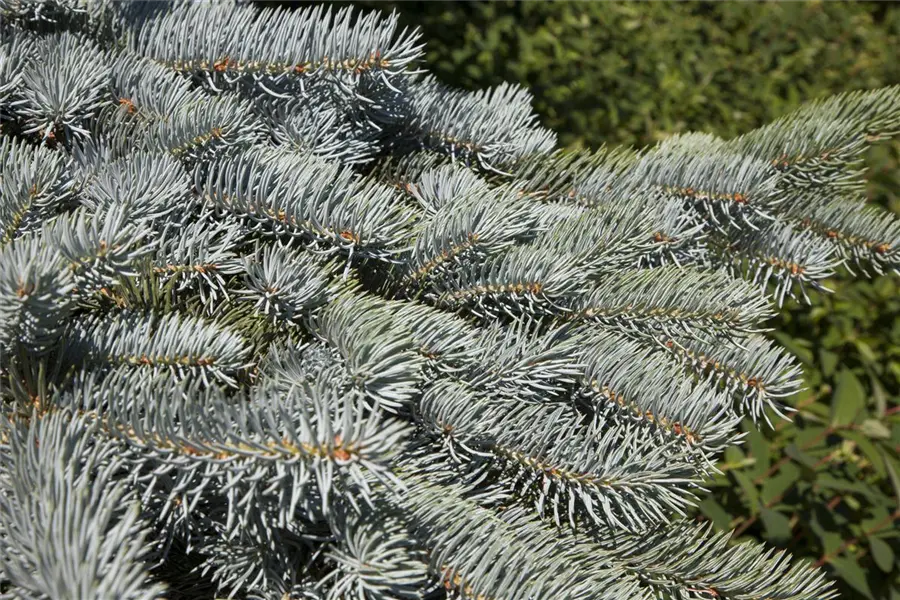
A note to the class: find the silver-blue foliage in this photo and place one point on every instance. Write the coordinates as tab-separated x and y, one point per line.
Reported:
284	317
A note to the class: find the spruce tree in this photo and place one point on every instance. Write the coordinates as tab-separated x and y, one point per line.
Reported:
283	317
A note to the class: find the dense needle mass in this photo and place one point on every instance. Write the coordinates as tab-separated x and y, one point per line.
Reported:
283	317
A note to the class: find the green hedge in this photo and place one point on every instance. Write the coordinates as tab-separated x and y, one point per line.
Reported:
827	485
607	72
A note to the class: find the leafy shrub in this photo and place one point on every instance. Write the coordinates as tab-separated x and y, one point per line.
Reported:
840	493
634	72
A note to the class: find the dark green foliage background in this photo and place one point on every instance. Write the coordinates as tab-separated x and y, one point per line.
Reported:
826	486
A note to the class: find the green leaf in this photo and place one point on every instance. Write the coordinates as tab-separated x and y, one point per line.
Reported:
759	450
875	429
868	449
895	592
878	515
848	400
796	346
715	513
882	553
850	571
801	457
734	455
828	481
820	410
879	394
865	350
893	473
778	526
751	494
828	362
810	436
851	501
777	485
822	523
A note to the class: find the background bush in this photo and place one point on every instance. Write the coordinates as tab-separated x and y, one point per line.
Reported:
827	485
